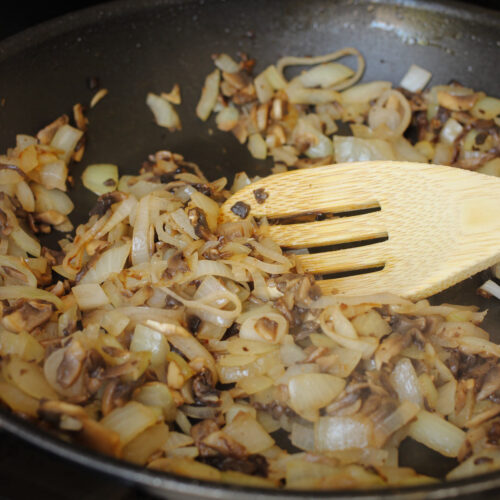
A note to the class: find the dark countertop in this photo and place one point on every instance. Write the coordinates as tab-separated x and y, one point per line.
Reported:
25	470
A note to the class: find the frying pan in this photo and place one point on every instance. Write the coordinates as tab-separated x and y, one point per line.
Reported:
134	47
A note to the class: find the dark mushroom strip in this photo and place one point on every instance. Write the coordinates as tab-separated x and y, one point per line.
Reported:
28	316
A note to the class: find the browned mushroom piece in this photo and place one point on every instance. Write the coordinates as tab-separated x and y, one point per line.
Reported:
204	390
224	444
81	120
105	201
198	220
71	365
457	102
91	434
11	275
28	316
200	431
390	347
46	134
255	464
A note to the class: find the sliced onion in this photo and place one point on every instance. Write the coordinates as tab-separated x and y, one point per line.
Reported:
19	265
130	420
25	196
371	323
109	262
249	433
28	160
51	199
28	377
341	324
320	145
346	361
325	75
415	79
443	154
275	78
100	178
484	461
311	391
145	444
65	140
53	175
227	118
17	400
25	241
406	152
366	345
487	108
291	353
23	141
177	440
226	63
436	433
348	51
183	223
302	436
114	322
348	149
303	95
263	88
491	167
341	433
149	340
22	344
158	395
364	92
257	146
405	381
451	130
204	309
492	288
10	175
391	115
403	414
123	210
255	328
14	292
192	349
89	296
208	95
164	113
212	268
140	237
252	385
184	466
209	206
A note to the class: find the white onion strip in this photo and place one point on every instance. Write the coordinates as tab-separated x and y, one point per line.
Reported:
308	61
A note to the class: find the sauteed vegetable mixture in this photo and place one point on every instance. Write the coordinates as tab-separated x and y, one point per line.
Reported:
159	335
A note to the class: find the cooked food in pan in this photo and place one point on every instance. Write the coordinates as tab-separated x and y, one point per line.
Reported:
156	334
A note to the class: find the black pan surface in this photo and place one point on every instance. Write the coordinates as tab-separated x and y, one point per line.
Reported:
134	47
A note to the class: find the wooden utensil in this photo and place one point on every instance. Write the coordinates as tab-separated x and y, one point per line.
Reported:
439	225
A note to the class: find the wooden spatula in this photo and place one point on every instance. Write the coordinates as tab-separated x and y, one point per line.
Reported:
439	225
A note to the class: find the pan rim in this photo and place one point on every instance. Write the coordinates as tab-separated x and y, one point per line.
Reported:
82	17
168	483
163	482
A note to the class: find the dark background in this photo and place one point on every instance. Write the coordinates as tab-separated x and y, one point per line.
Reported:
25	471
